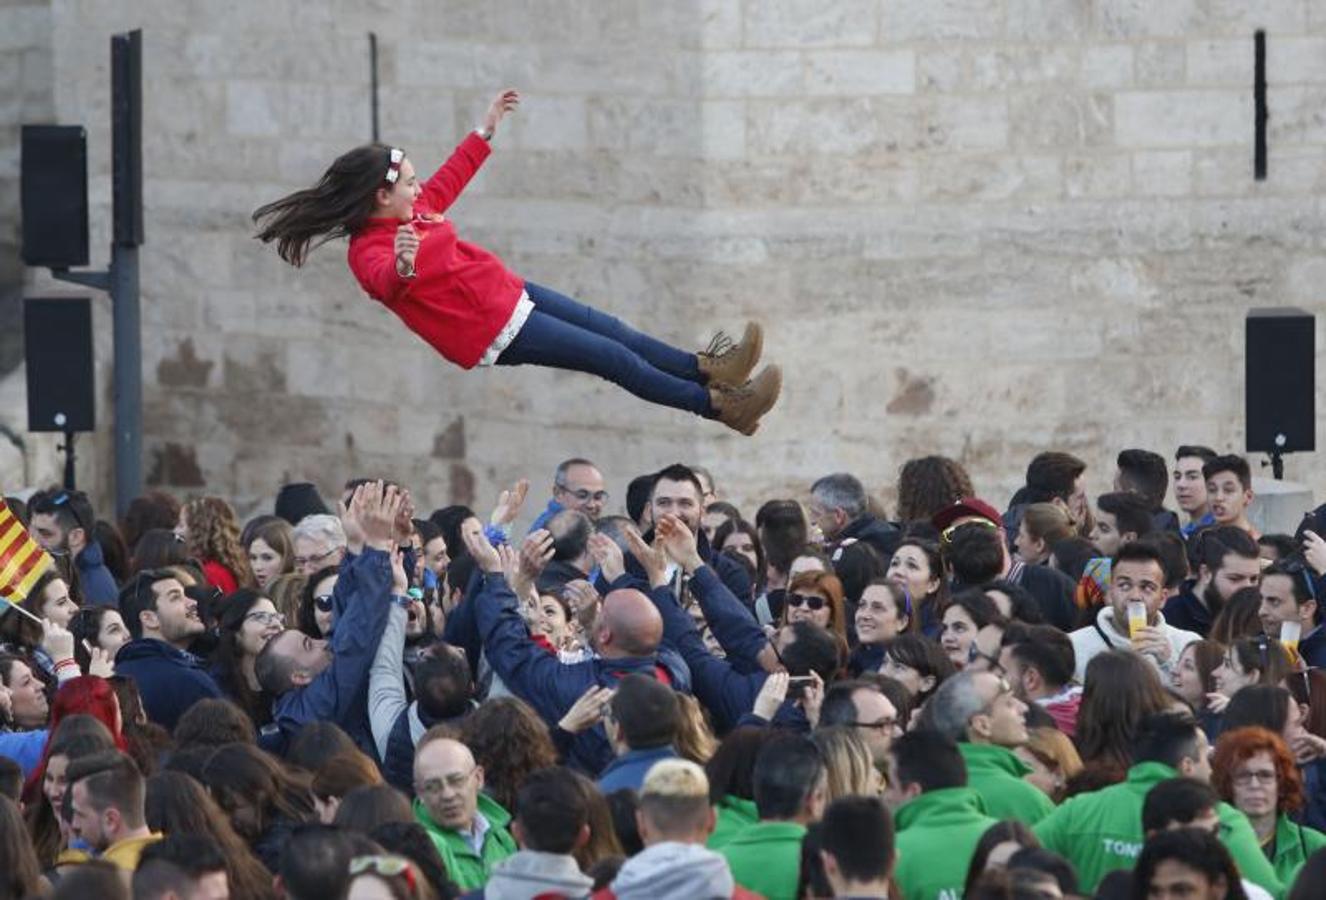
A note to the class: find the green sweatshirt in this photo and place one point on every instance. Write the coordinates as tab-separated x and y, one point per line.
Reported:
937	834
1102	831
1294	843
467	869
734	814
996	774
766	858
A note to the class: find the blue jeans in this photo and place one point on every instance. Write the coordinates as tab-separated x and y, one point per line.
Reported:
563	334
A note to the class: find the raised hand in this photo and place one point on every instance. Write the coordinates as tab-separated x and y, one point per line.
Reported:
652	559
509	503
608	556
403	527
57	640
504	103
1314	551
482	550
400	584
679	542
587	711
100	662
377	509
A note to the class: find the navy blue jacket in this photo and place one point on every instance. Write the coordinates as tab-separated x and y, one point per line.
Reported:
732	624
1185	610
731	572
883	536
629	769
169	680
728	694
95	580
546	683
1053	593
340	692
1313	648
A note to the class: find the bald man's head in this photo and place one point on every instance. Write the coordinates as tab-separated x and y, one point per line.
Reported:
628	625
447	780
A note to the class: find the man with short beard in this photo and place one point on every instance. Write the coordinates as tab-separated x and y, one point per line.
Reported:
163	621
1227	562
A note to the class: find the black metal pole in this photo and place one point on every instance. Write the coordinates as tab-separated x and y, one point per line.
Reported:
373	79
68	449
127	193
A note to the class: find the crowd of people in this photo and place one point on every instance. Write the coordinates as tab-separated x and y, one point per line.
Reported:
668	698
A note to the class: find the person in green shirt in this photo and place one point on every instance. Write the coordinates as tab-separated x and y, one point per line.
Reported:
1102	830
1254	771
791	784
730	771
939	819
981	712
468	828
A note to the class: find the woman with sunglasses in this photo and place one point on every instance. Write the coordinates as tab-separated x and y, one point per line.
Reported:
317	615
1253	770
885	611
917	565
817	598
1247	661
387	878
248	621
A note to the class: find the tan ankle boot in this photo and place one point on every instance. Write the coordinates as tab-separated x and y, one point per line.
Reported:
740	408
726	363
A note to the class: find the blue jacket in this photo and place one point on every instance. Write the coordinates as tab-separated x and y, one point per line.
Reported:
24	748
94	578
1185	610
169	680
543	681
728	693
629	769
732	623
1313	648
340	692
729	571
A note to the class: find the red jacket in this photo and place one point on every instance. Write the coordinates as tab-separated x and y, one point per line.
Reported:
462	296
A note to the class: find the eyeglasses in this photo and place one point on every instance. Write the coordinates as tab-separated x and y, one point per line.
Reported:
455	781
323	602
388	866
811	601
974	653
1243	779
946	536
584	495
308	560
268	618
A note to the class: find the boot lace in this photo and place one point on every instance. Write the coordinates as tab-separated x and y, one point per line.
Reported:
720	347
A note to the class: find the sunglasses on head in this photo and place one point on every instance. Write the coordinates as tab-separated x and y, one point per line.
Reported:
811	601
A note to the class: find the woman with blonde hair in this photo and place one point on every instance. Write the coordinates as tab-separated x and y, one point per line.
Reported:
1053	760
695	739
210	530
847	763
1043	525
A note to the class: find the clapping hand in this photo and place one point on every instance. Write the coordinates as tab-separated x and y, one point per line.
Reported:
375	507
679	542
509	503
587	711
653	559
608	556
482	550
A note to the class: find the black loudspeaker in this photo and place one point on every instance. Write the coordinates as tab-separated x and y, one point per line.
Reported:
57	338
1280	389
127	137
54	195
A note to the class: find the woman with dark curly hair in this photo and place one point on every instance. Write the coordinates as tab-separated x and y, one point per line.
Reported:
928	484
153	510
1253	771
317	613
510	741
211	532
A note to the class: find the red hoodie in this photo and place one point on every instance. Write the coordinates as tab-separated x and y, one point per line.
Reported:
462	296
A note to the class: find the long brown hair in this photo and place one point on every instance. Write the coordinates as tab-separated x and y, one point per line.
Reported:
176	804
255	789
1121	689
214	536
19	872
337	206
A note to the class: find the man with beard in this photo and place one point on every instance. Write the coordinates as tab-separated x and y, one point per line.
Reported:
62	523
163	621
1227	561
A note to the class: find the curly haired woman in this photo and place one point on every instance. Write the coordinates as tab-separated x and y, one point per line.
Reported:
209	528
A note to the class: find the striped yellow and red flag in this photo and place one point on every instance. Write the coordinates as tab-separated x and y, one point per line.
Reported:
22	561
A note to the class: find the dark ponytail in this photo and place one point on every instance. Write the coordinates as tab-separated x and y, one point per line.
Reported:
337	206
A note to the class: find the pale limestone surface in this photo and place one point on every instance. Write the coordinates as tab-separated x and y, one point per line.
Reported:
974	227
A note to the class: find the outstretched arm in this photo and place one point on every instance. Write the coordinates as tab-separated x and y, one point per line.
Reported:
445	186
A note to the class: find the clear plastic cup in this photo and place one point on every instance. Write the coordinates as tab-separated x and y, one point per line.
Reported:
1290	632
1136	617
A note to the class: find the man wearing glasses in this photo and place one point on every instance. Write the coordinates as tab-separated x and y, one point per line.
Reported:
980	711
468	828
62	523
578	484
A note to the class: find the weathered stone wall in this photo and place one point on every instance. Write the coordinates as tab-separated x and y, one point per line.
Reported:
975	227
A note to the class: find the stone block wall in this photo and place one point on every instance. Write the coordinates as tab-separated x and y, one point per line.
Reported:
975	227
